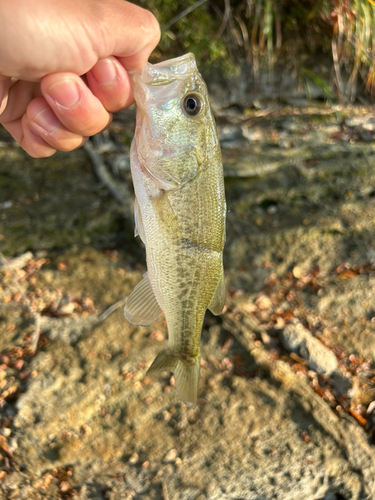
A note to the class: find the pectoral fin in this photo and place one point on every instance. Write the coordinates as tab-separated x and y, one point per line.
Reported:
141	308
139	229
218	300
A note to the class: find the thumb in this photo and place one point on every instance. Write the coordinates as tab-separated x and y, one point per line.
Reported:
130	33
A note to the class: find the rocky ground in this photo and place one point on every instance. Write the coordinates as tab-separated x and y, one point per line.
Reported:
286	405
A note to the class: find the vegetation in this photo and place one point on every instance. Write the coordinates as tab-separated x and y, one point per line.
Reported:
227	33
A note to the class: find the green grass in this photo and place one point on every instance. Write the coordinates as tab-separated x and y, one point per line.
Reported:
225	34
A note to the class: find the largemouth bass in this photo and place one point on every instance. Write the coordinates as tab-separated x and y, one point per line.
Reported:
180	213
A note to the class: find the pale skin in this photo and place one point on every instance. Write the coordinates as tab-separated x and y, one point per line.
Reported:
63	68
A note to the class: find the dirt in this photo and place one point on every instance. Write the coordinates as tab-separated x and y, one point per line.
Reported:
79	418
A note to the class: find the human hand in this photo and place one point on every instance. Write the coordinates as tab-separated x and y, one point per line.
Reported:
63	67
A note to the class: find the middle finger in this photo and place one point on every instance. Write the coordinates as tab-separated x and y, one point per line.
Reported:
74	104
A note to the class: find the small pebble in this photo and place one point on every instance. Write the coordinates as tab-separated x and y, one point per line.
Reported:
170	456
134	459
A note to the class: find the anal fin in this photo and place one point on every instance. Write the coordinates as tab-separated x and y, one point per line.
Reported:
141	308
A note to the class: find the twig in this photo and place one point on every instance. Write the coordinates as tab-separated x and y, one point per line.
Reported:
111	309
336	65
165	490
35	336
184	13
119	190
17	262
227	13
245	33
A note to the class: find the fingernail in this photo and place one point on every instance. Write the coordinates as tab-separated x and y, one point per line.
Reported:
47	121
104	71
65	93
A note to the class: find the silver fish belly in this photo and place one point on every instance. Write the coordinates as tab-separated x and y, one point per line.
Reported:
180	213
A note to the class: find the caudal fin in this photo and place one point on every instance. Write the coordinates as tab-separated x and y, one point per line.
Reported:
186	374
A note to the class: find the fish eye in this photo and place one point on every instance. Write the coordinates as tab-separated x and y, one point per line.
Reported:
192	104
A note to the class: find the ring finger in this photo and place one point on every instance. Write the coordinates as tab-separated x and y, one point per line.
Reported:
46	125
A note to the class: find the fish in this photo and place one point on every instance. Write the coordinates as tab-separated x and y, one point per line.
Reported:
180	213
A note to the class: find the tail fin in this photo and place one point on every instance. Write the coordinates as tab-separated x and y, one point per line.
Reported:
186	374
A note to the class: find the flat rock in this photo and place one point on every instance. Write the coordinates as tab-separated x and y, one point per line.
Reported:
296	338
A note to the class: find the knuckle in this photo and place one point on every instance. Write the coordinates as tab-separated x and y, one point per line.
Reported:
98	125
91	123
113	107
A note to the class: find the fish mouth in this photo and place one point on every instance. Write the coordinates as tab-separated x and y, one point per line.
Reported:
168	71
176	61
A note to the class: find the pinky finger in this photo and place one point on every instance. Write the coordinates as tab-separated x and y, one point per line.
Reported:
34	145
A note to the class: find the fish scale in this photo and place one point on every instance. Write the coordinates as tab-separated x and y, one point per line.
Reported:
180	213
